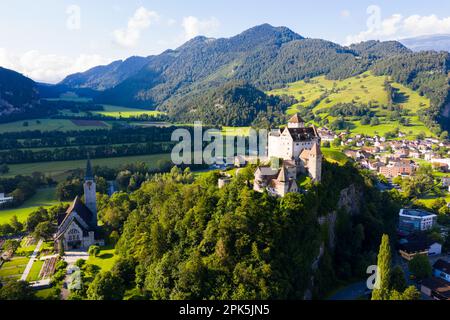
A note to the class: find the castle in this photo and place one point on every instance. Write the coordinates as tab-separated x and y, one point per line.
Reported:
78	226
297	149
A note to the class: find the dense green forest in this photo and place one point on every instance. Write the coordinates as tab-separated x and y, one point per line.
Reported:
233	104
186	239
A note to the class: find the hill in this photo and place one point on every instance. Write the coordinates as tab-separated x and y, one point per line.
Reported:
352	103
17	93
105	77
427	43
233	104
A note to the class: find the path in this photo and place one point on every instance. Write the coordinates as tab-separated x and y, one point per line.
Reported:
71	257
31	261
351	292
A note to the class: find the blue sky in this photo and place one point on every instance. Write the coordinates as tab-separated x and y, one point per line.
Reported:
48	39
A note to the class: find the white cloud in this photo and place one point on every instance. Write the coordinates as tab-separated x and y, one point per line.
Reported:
49	68
141	20
171	22
398	27
193	26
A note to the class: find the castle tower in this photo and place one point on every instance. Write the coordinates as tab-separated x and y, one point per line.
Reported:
315	163
296	122
90	198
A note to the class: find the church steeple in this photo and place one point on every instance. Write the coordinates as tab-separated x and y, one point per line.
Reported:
88	174
90	196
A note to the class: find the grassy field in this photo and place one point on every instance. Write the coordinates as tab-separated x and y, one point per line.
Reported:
12	270
334	156
45	125
105	260
363	89
122	112
43	198
59	169
35	270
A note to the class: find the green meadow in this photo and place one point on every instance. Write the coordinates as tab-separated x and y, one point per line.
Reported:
122	112
362	89
105	260
43	198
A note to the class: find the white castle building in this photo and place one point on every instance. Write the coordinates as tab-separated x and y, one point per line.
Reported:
297	148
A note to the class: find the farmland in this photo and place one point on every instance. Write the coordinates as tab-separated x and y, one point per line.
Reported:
46	125
60	169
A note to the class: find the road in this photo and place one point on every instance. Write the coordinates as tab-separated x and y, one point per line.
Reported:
351	292
31	261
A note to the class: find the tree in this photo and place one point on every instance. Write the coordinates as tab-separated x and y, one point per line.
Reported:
16	290
43	230
384	271
94	251
80	263
124	268
35	218
420	267
398	281
374	121
411	293
16	224
106	286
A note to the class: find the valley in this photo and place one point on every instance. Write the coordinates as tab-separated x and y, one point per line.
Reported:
357	132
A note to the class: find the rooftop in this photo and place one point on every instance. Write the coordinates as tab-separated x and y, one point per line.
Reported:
415	213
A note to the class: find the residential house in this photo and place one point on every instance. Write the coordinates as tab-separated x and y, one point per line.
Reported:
436	288
441	269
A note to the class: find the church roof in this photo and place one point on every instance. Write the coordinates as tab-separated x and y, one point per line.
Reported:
296	119
81	209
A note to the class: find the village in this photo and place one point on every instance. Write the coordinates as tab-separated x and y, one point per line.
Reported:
394	156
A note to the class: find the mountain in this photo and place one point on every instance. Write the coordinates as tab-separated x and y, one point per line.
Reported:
261	59
105	77
426	43
264	56
17	92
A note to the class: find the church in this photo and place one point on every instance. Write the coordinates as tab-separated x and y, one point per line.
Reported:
296	150
78	226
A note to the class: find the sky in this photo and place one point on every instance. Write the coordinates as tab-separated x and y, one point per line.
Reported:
47	40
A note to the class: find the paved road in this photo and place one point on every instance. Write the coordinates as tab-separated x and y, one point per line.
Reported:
352	292
31	261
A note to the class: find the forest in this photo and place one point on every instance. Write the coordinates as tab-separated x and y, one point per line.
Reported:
181	238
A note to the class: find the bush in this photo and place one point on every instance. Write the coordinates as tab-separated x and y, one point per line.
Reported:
94	251
80	263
